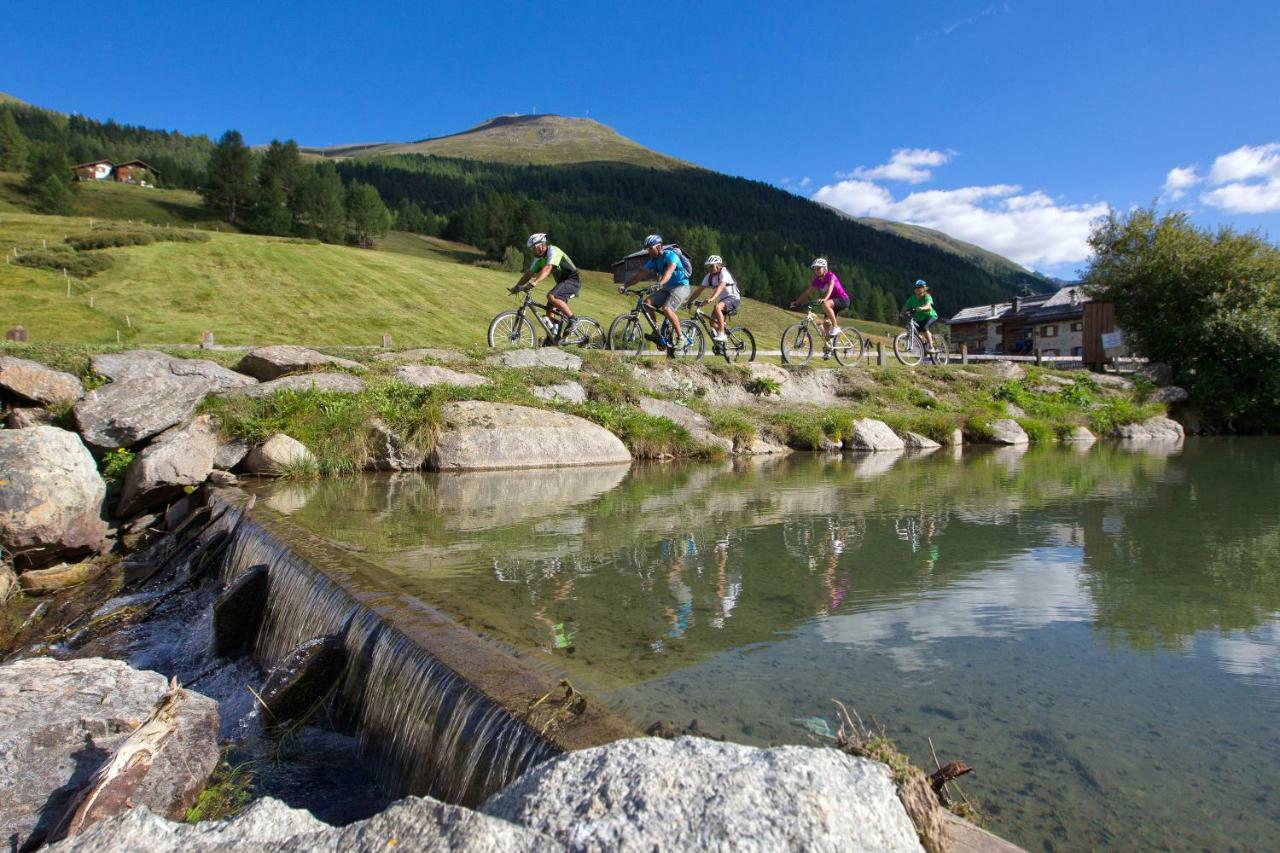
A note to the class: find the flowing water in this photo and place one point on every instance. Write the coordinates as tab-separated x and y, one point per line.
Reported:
1097	631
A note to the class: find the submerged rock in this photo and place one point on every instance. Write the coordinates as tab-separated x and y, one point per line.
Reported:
51	499
37	383
300	682
63	720
871	435
478	436
272	362
697	794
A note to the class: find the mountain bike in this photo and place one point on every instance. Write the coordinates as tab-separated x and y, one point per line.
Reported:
739	343
846	347
626	332
910	347
513	329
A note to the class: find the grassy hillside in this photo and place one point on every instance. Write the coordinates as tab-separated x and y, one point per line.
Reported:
253	290
10	99
109	200
535	139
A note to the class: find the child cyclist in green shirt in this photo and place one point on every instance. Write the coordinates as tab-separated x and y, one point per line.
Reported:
920	306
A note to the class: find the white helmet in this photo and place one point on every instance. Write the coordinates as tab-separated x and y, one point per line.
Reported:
535	239
713	260
653	240
818	262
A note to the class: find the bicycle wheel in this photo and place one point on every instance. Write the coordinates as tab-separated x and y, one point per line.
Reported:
509	330
739	345
614	338
848	346
908	349
797	344
689	343
586	334
941	355
629	338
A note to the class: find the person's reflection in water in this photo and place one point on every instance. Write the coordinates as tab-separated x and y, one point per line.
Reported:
728	586
680	616
835	581
561	633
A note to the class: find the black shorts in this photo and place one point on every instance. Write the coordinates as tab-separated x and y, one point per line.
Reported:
838	304
923	325
730	305
566	289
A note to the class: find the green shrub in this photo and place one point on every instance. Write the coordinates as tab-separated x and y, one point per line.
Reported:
113	466
1118	411
112	238
1037	430
647	436
59	258
764	386
733	424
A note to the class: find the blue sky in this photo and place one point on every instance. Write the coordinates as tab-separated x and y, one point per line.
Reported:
1015	122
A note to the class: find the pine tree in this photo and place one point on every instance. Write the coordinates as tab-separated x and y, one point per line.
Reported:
50	180
367	216
229	180
14	147
323	204
282	165
271	212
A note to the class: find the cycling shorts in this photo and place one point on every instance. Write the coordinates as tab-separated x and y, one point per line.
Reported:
672	296
730	305
567	289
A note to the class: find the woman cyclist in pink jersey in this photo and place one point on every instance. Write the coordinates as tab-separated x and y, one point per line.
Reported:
833	298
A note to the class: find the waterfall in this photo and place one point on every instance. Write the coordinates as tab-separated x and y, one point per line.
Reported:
426	728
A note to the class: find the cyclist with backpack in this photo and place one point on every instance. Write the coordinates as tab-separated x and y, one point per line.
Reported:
672	271
920	306
551	260
725	296
833	298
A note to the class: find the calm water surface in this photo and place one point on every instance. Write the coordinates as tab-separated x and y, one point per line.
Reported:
1098	631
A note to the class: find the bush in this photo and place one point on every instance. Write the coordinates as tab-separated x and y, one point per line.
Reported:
734	425
58	258
764	386
114	465
647	436
114	238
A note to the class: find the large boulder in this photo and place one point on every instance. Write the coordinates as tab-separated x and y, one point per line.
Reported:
697	794
64	719
148	364
477	436
343	383
272	362
427	375
51	497
180	457
276	454
560	392
871	435
1170	394
541	357
1159	429
414	823
916	441
1008	432
1081	435
37	383
124	413
697	425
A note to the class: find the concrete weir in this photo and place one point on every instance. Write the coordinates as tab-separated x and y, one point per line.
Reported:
438	709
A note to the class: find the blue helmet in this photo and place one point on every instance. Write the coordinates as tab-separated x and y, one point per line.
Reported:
920	283
653	240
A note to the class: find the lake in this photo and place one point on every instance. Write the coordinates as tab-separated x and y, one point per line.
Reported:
1096	630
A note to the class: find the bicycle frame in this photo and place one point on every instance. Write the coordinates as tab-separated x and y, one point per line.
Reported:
539	311
642	310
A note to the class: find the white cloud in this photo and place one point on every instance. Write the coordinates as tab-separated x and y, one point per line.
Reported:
1178	181
910	165
1246	180
805	181
1247	162
1029	227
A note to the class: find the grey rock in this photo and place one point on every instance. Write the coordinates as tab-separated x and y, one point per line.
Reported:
916	441
231	452
871	435
477	435
541	357
1081	434
1009	432
51	501
148	364
238	612
1113	380
391	452
412	355
698	426
695	794
764	447
427	375
1157	373
1007	370
37	383
343	383
219	477
272	362
561	392
63	719
1171	394
302	679
180	457
1013	410
25	418
124	413
1158	429
957	437
276	454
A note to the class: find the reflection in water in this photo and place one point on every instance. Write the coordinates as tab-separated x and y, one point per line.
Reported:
1099	633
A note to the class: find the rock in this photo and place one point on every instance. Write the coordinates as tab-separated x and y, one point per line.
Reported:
1157	373
1171	394
698	426
178	512
63	719
1051	383
561	392
1112	380
27	418
411	355
427	375
343	383
541	357
59	577
916	441
1013	410
1007	370
272	362
870	435
238	612
391	452
302	680
51	498
37	383
149	364
1081	434
414	823
276	454
957	437
139	529
180	457
1158	429
231	452
697	794
124	413
222	478
764	447
476	436
1007	431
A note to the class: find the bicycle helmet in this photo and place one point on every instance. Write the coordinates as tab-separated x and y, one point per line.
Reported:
713	260
535	239
653	240
818	262
921	283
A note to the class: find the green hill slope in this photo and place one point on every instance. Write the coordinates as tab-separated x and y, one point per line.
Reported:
534	139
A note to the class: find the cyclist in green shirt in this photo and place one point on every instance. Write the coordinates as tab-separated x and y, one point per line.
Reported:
920	306
551	260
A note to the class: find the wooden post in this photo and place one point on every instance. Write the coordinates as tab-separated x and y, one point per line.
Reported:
964	353
1039	358
880	353
206	340
91	300
117	337
127	321
386	342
